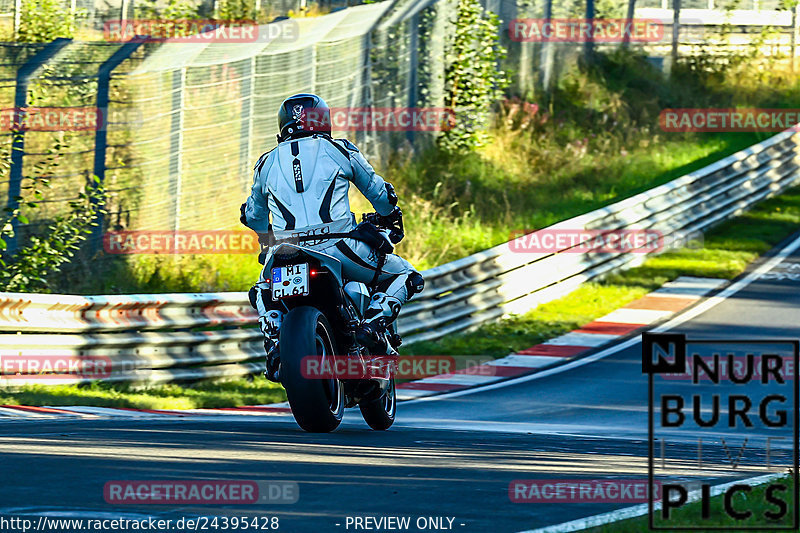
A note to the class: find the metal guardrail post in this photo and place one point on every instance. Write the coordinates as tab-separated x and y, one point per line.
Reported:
24	75
101	136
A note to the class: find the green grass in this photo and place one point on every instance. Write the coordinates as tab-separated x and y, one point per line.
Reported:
207	394
690	514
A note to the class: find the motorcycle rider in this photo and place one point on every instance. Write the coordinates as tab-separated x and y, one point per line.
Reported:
300	191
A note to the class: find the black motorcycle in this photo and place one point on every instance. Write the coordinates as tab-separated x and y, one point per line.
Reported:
322	366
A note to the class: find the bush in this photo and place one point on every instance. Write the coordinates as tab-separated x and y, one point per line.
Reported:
173	10
46	251
473	79
42	21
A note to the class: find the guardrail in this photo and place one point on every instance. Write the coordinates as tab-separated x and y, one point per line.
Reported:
129	331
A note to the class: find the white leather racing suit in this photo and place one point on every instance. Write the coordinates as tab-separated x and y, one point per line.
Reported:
302	186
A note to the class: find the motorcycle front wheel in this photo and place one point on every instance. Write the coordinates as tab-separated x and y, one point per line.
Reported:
317	404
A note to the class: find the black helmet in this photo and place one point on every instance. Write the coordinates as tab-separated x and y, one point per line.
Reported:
303	113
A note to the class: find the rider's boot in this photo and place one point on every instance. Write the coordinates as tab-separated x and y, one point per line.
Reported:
382	311
270	327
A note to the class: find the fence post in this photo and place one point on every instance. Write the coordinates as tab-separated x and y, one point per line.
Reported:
626	38
676	30
413	67
176	139
17	17
366	76
366	139
247	111
794	35
546	60
101	136
588	46
24	75
436	54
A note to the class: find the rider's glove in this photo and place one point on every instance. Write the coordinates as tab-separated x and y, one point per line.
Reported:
243	216
394	223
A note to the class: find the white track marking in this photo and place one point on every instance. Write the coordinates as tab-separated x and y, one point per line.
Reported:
243	412
635	316
702	307
643	509
16	413
689	287
459	379
280	404
100	411
407	394
590	340
530	361
20	413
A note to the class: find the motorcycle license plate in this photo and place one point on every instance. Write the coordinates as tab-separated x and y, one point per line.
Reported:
291	280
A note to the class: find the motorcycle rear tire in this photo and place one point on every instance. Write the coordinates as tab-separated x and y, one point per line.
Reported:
317	404
379	413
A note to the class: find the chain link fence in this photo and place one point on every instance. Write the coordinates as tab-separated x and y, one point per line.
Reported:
65	77
90	15
209	109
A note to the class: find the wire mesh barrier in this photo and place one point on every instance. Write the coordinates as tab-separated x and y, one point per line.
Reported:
86	132
164	337
90	15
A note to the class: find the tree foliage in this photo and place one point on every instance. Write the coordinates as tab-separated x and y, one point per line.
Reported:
172	10
41	21
237	10
473	79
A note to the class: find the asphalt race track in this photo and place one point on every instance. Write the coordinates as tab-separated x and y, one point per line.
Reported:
452	456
